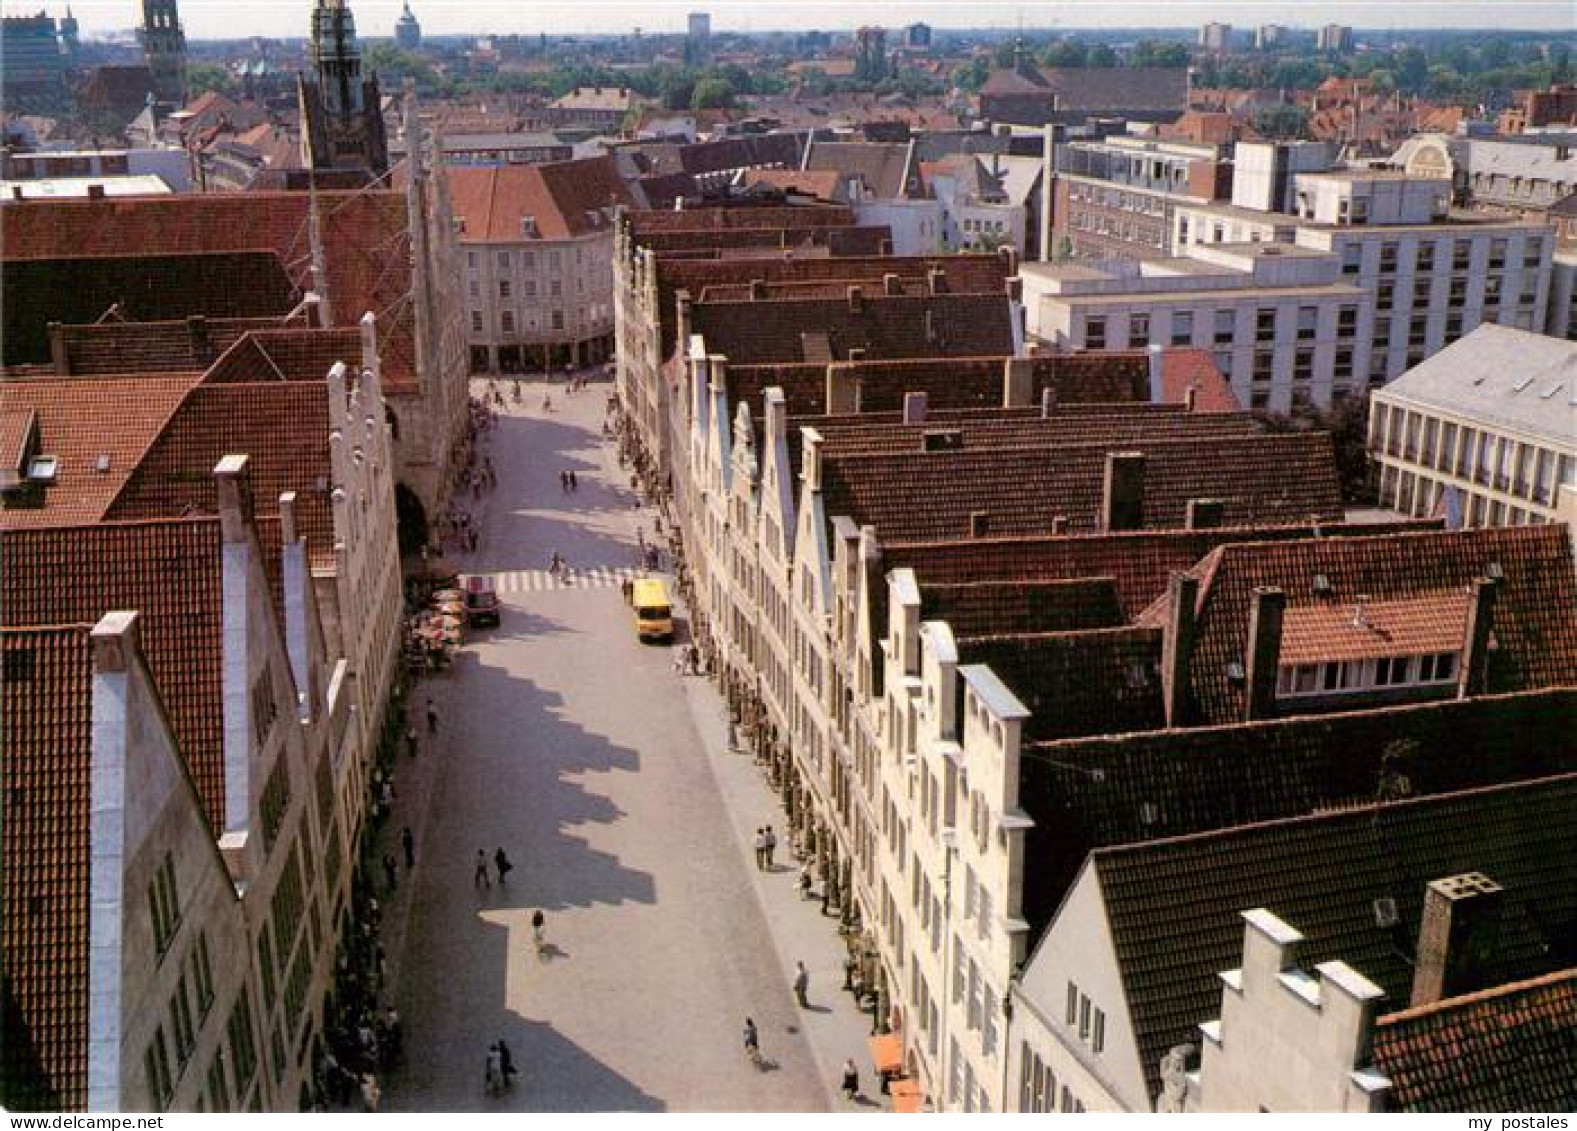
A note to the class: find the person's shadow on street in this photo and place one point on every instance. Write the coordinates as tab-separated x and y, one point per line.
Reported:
550	951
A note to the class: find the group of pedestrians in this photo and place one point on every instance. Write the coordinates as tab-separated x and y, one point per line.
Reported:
482	878
766	845
568	483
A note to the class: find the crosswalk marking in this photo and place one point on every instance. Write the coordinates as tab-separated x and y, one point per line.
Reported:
541	581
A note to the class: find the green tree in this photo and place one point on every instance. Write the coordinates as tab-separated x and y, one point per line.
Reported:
1160	53
202	77
1283	120
1066	53
711	94
1102	56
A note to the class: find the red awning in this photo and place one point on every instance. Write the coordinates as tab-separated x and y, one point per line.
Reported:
907	1096
887	1052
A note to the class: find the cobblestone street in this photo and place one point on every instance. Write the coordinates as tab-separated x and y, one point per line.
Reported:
601	773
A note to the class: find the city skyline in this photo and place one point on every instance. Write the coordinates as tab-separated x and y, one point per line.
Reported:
224	19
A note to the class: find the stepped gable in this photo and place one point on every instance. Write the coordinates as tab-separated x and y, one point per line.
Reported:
1174	905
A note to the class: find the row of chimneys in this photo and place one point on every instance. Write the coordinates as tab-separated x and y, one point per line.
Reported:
1267	611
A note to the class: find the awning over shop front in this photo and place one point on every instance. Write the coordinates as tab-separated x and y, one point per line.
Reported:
887	1052
907	1096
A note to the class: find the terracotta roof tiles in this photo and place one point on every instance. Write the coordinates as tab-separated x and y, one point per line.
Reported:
1173	905
1510	1048
44	867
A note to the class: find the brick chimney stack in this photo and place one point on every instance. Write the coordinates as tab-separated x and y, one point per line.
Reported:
1456	936
1122	492
1264	650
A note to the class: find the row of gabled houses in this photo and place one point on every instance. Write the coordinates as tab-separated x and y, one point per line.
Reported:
1139	777
217	414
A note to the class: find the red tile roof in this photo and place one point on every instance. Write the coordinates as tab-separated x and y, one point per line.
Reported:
564	198
44	766
715	218
1535	612
1087	792
1260	479
79	421
1173	905
286	355
963	325
365	237
1510	1048
283	426
1185	369
77	289
965	274
1417	625
167	570
153	347
1018	606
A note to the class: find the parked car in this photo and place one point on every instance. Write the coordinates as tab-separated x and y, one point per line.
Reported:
481	601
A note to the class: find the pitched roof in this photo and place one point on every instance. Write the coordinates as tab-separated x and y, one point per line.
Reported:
965	274
365	236
114	347
564	199
304	354
882	168
44	867
1260	479
283	426
169	571
1018	606
885	326
145	288
1535	611
1173	905
1087	792
717	217
1510	1048
81	420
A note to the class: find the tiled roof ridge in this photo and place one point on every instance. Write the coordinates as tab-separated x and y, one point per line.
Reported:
1477	997
107	524
1136	631
1332	716
1149	534
1358	812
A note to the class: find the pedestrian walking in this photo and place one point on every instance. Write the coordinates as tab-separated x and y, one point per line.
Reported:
801	985
432	718
539	930
761	850
564	482
391	871
495	1071
771	844
371	1094
480	877
501	862
804	881
851	1080
408	843
574	484
752	1042
411	745
506	1063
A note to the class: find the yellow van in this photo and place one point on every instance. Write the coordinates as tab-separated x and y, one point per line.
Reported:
653	610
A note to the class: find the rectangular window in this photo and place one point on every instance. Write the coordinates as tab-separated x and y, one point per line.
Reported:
181	1023
164	905
507	322
1346	321
1182	327
471	260
202	976
156	1061
1138	331
504	290
243	1042
1073	1004
1095	333
1226	323
218	1089
1308	322
476	322
1098	1034
503	261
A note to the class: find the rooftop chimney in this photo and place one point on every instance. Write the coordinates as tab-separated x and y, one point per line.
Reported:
1157	384
1178	645
1473	672
936	281
233	476
979	524
1059	524
914	407
892	284
1206	514
1018	382
1190	396
856	300
1456	936
758	290
1269	605
95	192
843	389
930	327
1122	492
1048	401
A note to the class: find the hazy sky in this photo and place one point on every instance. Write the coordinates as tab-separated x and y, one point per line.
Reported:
214	19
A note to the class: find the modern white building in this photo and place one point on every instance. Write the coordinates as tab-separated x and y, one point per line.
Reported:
1400	275
1484	432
